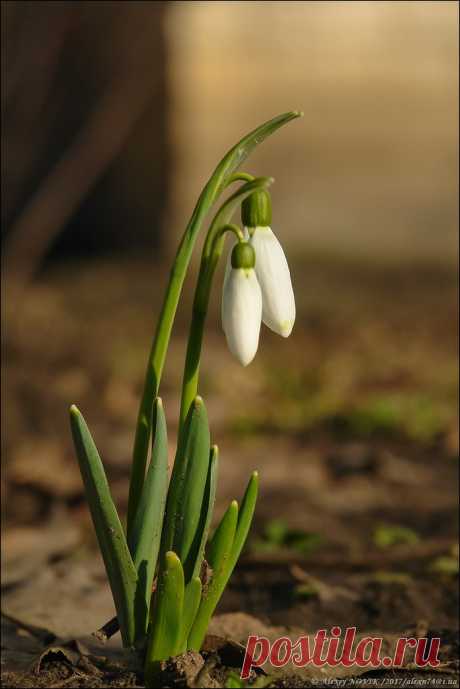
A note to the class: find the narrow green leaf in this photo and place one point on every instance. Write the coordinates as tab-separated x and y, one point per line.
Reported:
112	542
165	631
238	154
145	539
188	482
192	600
245	516
216	183
219	553
192	567
223	562
221	544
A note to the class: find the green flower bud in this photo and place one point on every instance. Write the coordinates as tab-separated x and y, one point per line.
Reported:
256	210
243	256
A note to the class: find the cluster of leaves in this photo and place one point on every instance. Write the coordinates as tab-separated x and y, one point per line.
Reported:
167	542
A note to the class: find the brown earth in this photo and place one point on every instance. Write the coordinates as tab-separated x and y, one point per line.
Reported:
352	423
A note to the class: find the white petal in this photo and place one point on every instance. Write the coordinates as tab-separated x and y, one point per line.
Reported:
242	313
275	282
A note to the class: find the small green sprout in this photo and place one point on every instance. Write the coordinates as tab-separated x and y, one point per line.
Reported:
234	681
277	535
306	591
386	536
447	565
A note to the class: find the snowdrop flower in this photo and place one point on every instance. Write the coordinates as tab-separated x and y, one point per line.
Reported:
242	304
271	266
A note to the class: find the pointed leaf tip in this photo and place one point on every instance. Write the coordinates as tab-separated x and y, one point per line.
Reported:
74	410
171	558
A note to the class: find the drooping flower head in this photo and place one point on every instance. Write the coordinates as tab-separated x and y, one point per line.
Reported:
272	270
242	304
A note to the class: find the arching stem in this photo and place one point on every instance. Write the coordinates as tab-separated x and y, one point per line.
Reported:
160	345
212	251
199	312
218	181
239	177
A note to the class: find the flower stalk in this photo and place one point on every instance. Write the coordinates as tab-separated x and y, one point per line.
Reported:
211	253
223	175
168	522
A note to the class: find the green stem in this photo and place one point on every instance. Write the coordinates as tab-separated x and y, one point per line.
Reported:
216	184
200	309
157	358
234	229
212	251
239	176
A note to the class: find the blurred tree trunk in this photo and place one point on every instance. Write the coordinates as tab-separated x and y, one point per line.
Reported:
84	135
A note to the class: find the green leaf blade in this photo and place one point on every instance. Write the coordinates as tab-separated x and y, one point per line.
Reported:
221	543
188	483
164	637
145	539
192	599
223	556
196	554
112	542
238	154
219	554
246	513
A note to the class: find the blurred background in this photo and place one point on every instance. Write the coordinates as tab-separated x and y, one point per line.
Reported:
114	115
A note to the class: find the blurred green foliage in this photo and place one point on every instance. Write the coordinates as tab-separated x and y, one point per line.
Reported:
277	534
306	591
386	535
234	681
447	564
385	577
306	400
